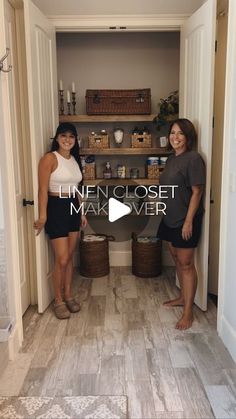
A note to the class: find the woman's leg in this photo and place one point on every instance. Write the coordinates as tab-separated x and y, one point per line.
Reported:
67	279
185	258
61	251
179	301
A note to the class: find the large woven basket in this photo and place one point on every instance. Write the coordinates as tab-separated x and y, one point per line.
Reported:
94	256
146	258
126	102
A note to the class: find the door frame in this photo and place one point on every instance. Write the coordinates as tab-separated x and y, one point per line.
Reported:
118	23
225	328
134	23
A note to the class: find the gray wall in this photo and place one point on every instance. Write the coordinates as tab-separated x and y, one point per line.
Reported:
107	61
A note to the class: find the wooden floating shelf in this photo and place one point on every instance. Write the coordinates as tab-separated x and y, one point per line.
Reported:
124	151
123	182
106	118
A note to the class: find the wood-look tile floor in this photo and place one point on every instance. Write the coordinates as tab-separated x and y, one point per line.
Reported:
123	342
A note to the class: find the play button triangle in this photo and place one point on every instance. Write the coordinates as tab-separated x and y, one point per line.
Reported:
117	210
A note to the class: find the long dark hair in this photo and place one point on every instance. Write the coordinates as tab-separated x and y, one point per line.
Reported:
188	130
61	129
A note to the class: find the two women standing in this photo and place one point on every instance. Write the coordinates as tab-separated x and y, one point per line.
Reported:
60	171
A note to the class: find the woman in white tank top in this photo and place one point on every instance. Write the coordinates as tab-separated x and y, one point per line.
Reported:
59	173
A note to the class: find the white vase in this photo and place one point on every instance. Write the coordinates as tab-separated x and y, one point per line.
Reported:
118	135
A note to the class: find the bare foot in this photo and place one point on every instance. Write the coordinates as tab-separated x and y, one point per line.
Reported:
185	322
174	303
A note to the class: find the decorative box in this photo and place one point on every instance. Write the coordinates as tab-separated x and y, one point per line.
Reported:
98	141
89	171
115	102
141	140
152	171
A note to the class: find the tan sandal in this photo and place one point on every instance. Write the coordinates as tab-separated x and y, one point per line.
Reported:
73	306
61	311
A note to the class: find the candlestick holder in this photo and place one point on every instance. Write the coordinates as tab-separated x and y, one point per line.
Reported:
73	102
61	94
68	108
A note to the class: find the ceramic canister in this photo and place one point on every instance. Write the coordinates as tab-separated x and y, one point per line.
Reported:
152	161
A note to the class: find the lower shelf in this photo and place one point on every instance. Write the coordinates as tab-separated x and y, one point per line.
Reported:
115	181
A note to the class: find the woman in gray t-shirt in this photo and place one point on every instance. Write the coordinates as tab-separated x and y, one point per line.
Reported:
181	226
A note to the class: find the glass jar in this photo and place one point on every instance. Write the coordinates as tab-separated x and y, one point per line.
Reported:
107	172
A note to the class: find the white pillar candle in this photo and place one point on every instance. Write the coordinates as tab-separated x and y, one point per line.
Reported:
73	86
68	96
60	85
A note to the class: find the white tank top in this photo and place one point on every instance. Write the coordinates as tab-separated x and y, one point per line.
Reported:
66	176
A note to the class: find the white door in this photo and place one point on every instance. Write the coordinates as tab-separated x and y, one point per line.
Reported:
196	103
42	91
19	155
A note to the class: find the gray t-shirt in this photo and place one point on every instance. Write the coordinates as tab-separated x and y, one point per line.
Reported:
185	170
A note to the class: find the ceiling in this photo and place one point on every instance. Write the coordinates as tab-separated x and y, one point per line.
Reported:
109	7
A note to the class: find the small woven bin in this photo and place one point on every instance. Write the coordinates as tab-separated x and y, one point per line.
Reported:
94	256
146	258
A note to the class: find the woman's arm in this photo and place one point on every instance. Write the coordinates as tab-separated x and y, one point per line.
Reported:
197	192
46	166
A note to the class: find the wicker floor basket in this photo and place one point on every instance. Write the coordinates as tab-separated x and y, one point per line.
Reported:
94	256
146	258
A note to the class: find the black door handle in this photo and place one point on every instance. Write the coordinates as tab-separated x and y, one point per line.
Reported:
25	202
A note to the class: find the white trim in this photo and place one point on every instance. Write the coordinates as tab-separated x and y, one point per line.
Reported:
21	57
14	342
121	23
2	35
228	127
10	215
228	336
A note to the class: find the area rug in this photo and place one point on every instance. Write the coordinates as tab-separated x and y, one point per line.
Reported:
80	407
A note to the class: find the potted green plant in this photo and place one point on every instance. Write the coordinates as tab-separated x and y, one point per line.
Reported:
169	109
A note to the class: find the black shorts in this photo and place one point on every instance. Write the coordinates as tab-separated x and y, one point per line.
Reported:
174	235
62	219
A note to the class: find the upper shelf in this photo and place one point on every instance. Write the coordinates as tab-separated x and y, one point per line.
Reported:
125	151
123	182
106	118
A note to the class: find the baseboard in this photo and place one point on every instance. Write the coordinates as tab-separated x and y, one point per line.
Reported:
119	258
14	342
228	336
4	356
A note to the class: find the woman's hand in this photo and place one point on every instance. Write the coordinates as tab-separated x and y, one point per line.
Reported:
187	230
39	225
84	222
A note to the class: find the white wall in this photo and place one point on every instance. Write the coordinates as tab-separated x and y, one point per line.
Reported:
1	203
3	262
93	7
227	266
